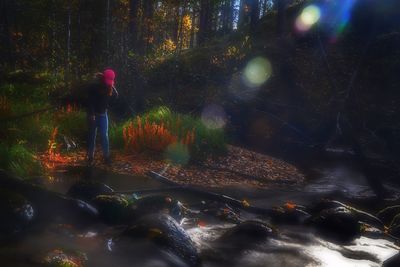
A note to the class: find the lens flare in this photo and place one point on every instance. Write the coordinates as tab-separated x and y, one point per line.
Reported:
257	72
213	117
308	17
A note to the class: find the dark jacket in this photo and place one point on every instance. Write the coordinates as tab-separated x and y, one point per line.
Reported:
98	98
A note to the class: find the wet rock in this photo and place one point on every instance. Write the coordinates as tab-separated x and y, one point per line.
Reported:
337	224
17	213
289	215
113	209
221	211
394	228
59	258
392	262
246	234
324	204
363	216
387	214
88	190
164	232
158	203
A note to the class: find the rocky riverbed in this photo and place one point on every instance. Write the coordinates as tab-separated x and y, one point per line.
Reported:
169	227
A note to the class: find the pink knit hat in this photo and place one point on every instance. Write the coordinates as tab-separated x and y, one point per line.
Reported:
108	77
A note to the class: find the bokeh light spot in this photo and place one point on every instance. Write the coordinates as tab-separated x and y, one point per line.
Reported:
177	153
308	17
213	116
257	72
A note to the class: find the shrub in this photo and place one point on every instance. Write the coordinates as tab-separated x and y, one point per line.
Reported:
160	129
19	160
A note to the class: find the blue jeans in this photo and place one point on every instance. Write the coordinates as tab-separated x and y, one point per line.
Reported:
99	123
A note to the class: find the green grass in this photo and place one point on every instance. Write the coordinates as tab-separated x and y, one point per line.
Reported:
19	160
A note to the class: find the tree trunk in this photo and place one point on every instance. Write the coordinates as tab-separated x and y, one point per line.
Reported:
79	43
68	56
192	30
227	16
281	17
175	28
133	24
206	13
254	14
147	25
7	40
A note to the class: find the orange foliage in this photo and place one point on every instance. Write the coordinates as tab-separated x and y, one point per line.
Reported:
53	156
290	205
140	136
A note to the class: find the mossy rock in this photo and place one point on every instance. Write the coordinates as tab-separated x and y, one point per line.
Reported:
113	209
88	190
59	258
17	213
337	224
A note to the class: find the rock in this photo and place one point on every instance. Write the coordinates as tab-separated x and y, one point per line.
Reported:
221	211
58	258
49	205
392	262
113	209
387	214
337	224
17	213
163	231
158	203
246	234
87	190
394	228
289	215
361	215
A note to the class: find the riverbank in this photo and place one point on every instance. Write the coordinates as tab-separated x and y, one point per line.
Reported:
239	167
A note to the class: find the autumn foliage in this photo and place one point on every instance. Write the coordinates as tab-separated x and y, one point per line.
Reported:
141	134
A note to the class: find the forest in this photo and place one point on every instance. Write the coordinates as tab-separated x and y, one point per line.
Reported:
199	133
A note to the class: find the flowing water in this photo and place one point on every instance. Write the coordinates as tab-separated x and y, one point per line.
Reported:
296	246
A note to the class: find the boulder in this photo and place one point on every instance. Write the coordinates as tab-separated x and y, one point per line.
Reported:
165	233
17	213
392	262
337	224
246	234
113	209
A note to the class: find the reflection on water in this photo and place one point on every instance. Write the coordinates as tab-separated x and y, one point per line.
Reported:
341	177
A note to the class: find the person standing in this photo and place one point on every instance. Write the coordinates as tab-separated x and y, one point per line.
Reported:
99	94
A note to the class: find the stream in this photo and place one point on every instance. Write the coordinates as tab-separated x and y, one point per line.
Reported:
295	246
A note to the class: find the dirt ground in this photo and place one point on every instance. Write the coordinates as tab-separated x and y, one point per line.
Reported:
239	167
